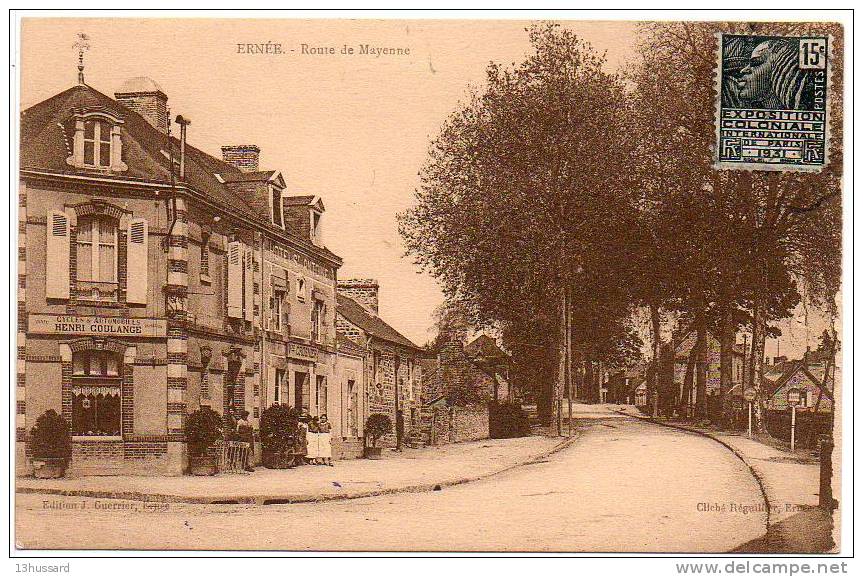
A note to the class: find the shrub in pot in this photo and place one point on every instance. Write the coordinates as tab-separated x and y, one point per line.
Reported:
377	425
279	431
50	445
203	429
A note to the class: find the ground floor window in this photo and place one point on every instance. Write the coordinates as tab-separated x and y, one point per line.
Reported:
353	399
302	391
281	382
96	393
96	411
321	394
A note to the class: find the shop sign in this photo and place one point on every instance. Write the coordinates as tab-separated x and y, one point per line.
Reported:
96	326
305	352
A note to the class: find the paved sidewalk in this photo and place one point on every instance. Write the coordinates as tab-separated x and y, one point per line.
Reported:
410	470
790	484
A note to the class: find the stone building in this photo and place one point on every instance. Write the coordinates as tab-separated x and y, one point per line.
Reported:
155	278
392	369
458	383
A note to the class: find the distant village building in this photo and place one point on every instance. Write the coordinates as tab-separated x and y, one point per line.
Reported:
392	370
806	375
628	386
683	344
155	278
458	383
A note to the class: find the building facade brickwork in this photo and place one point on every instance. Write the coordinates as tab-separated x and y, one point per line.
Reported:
145	295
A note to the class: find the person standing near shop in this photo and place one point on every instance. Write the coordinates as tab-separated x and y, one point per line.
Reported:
312	454
246	434
325	448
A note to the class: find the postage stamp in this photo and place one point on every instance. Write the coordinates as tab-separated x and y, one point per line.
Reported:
772	102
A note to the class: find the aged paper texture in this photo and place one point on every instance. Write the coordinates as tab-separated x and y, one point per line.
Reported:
428	285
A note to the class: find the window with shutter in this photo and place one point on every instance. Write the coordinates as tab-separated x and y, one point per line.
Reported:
136	259
248	285
57	256
96	257
235	280
205	256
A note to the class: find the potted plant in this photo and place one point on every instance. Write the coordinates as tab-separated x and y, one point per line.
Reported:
279	429
203	429
377	425
51	445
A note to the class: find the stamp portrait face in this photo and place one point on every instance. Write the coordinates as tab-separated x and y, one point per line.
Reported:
772	99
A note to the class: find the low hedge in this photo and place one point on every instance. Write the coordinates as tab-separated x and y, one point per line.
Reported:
507	421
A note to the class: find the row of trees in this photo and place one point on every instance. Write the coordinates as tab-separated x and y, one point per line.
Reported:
563	199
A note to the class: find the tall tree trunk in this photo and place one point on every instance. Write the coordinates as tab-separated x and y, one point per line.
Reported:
701	371
756	368
653	375
686	393
726	359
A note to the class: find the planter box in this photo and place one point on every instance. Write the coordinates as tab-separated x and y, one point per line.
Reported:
50	467
203	465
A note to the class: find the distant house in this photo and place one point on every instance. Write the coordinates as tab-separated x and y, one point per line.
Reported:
457	385
813	414
806	377
683	344
487	355
628	386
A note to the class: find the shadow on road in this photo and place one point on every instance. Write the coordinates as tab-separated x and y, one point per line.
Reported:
809	531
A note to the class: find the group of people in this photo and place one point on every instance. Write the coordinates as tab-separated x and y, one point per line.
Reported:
313	441
318	442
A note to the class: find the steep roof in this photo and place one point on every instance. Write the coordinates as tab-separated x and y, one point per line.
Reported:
486	347
301	200
792	368
46	143
371	324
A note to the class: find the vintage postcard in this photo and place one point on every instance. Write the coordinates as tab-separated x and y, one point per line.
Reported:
428	285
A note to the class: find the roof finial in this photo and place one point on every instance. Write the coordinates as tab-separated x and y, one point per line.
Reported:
82	45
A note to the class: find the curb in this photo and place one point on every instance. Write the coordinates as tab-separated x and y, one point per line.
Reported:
755	474
288	499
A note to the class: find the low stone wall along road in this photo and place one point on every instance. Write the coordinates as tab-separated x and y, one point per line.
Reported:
623	485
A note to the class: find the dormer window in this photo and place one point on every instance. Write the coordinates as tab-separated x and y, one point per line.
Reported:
96	141
276	203
97	144
315	228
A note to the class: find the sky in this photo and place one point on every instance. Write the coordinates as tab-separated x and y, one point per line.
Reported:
352	128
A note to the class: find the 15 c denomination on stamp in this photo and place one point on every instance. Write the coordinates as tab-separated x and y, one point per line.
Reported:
772	102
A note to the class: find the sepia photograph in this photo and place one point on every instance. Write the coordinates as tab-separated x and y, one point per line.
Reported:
411	283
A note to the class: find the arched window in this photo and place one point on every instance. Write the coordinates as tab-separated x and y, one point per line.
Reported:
97	256
96	377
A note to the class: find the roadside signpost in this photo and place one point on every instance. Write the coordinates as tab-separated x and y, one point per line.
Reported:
793	401
749	395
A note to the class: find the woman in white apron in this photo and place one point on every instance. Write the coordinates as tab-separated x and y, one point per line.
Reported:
312	452
325	448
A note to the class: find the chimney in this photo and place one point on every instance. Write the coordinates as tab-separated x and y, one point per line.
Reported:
243	156
363	290
144	96
184	123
